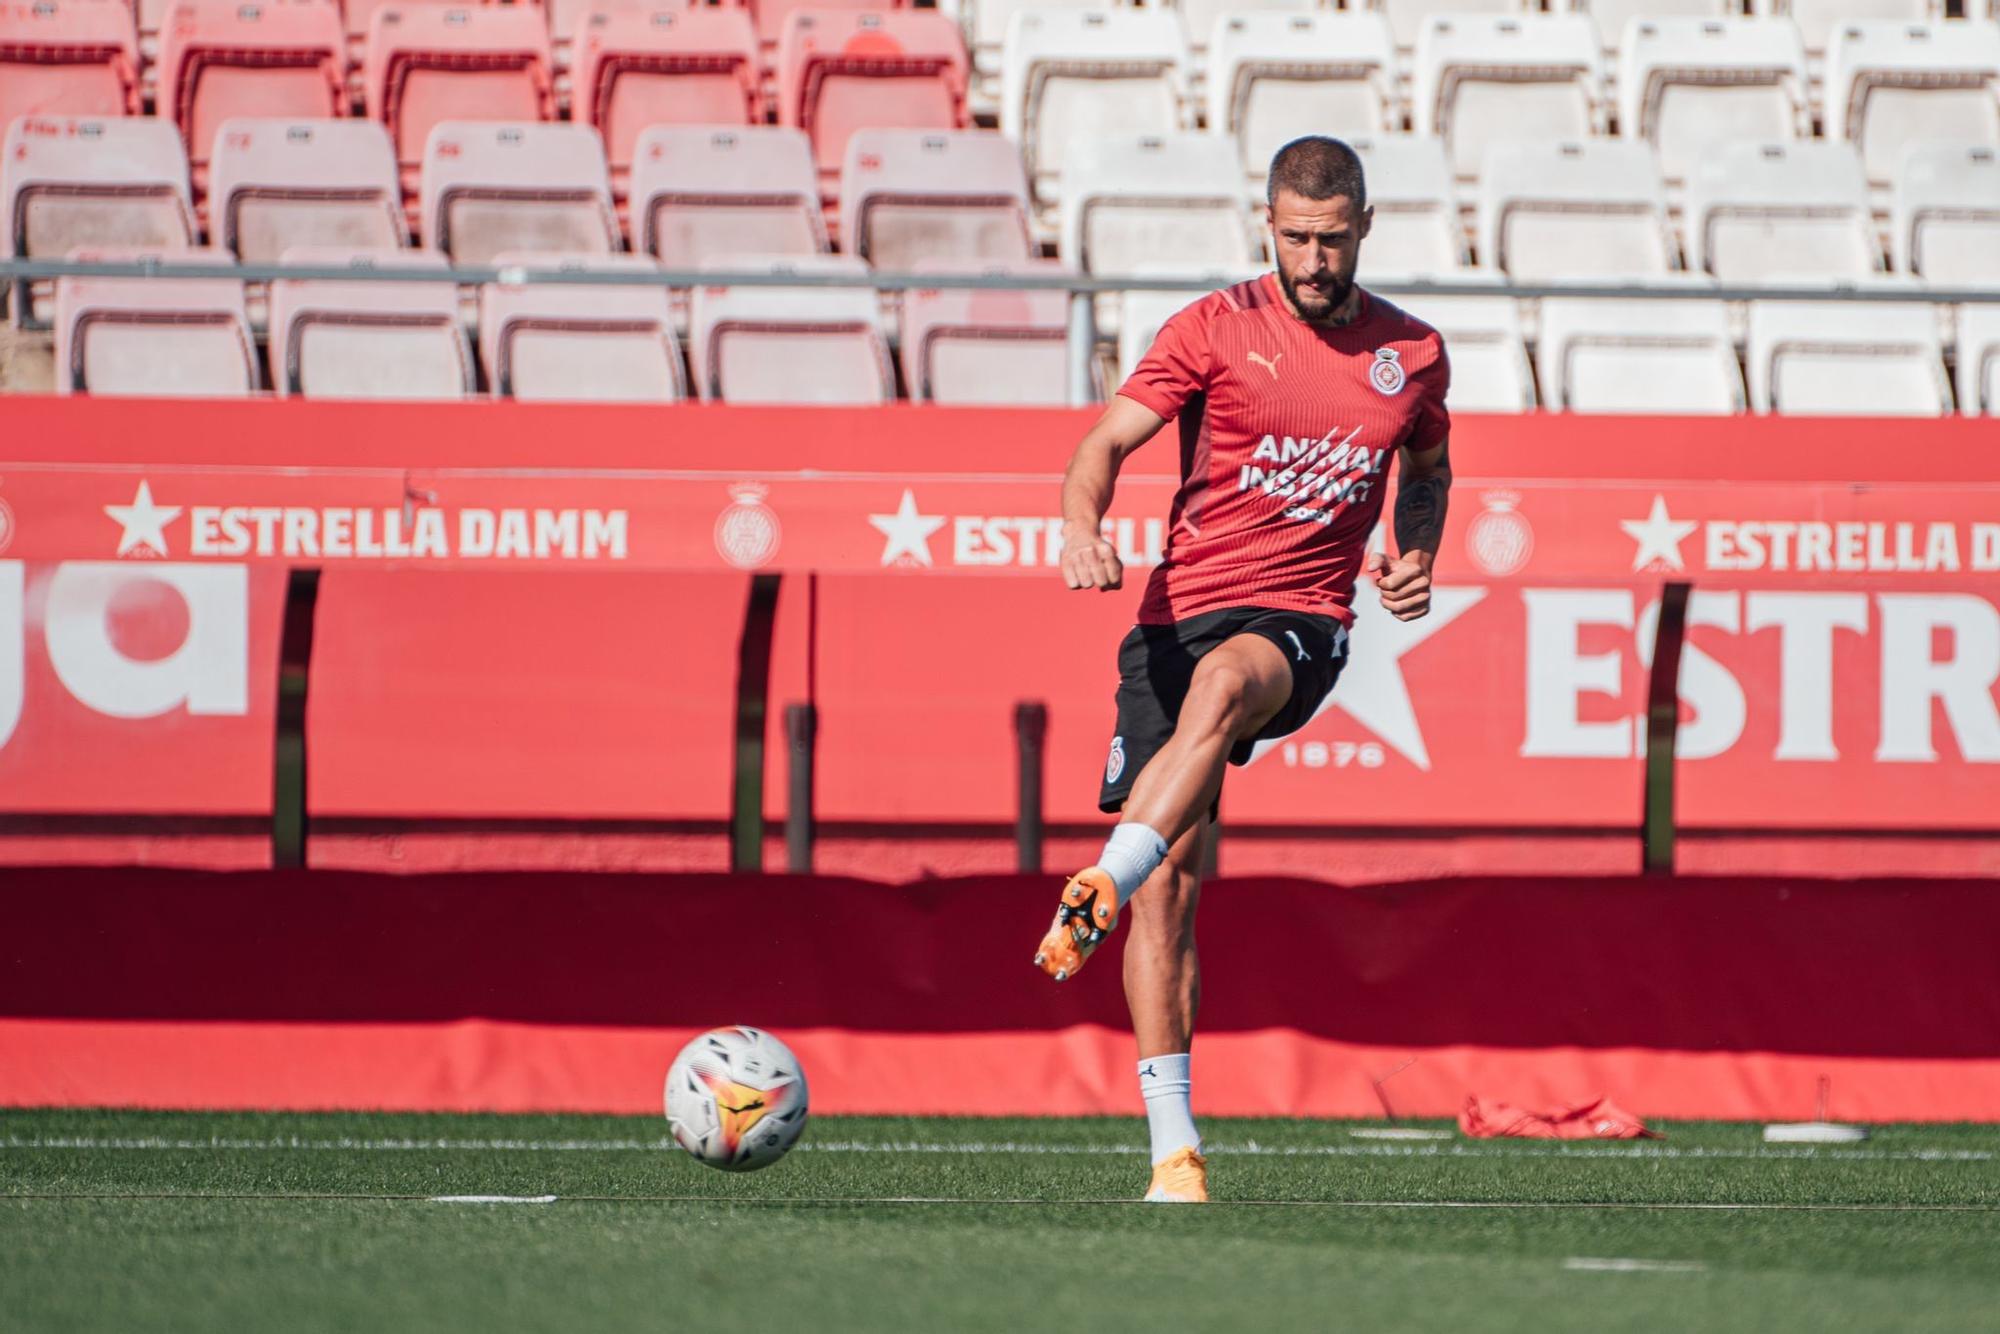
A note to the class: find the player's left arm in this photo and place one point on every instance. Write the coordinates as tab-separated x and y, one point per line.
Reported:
1423	492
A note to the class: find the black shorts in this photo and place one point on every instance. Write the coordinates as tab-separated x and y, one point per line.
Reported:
1156	666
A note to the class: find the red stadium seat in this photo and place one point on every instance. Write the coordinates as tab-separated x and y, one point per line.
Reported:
489	188
333	339
913	195
819	345
68	58
563	342
275	184
220	59
839	72
152	336
772	15
986	347
636	67
431	63
701	192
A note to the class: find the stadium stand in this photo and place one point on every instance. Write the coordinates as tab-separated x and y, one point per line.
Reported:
1408	18
1663	357
698	193
911	196
1274	76
1947	215
1167	199
821	345
1415	199
1979	360
401	340
773	16
1776	212
839	72
1846	358
1489	355
985	23
275	184
636	67
1612	17
1118	73
68	58
1201	18
1685	85
556	342
67	183
489	188
428	63
152	337
1819	19
1551	210
220	60
1891	84
1479	79
968	346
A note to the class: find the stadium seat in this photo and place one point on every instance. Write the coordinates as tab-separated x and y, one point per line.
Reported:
1168	199
1891	84
1408	17
153	337
490	187
699	192
66	183
878	69
220	59
1846	359
429	63
1479	79
1611	17
1818	19
1275	76
1775	212
275	184
1116	73
360	339
982	347
1489	357
1200	18
1554	210
1947	215
1664	357
1415	199
68	58
565	342
1141	313
773	15
820	345
908	196
984	23
636	67
1979	361
1685	85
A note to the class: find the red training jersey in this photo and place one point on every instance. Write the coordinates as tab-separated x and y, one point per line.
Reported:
1286	431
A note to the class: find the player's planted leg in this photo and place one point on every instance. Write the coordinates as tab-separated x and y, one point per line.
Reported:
1163	992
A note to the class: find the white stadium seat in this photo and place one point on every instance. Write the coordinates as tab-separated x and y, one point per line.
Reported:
1489	357
1662	356
1140	314
1479	79
1979	361
1612	17
700	191
1891	84
1781	212
564	342
1415	199
1553	210
361	339
1846	359
984	23
1818	19
154	337
274	184
1947	214
820	345
1071	75
1201	18
490	187
908	196
979	346
1275	76
1407	17
1169	199
1685	85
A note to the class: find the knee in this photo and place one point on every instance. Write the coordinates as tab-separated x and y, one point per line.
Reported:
1218	700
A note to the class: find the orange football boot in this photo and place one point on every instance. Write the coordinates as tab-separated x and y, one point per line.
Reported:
1086	915
1181	1179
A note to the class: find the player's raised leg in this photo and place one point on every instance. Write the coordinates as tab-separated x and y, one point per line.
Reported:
1163	991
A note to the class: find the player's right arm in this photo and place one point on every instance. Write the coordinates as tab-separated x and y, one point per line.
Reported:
1088	561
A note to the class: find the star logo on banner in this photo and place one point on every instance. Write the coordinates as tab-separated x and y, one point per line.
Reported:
1659	536
144	523
907	533
1371	689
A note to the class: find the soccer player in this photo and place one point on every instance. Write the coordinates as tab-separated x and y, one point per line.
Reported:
1292	391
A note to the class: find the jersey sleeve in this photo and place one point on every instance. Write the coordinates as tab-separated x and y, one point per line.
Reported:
1432	421
1175	368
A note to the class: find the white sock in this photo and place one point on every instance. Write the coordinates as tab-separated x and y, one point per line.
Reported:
1165	1085
1131	854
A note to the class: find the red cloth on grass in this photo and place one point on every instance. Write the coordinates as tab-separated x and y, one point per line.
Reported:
1599	1118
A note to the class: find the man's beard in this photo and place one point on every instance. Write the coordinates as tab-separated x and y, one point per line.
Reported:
1338	290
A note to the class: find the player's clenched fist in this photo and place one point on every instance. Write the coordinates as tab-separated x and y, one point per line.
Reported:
1088	561
1405	585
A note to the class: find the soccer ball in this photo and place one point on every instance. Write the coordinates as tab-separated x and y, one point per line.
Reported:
736	1099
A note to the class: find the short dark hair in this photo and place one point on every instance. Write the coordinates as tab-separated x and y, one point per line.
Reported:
1318	166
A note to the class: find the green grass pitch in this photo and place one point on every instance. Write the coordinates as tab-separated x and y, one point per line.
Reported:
128	1220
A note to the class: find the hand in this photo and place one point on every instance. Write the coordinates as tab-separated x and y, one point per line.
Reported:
1405	585
1088	561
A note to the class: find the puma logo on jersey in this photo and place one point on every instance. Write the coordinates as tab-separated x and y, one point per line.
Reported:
1268	363
1293	635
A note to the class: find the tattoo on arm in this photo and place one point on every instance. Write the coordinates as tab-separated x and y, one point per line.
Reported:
1420	506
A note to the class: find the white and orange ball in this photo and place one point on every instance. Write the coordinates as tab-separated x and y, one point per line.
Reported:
736	1099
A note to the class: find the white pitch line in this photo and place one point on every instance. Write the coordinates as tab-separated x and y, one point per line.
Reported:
493	1199
1590	1264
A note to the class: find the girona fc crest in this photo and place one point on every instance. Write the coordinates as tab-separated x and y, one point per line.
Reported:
1500	540
1387	372
746	533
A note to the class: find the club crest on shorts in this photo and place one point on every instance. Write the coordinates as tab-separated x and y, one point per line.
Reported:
1387	372
1115	764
